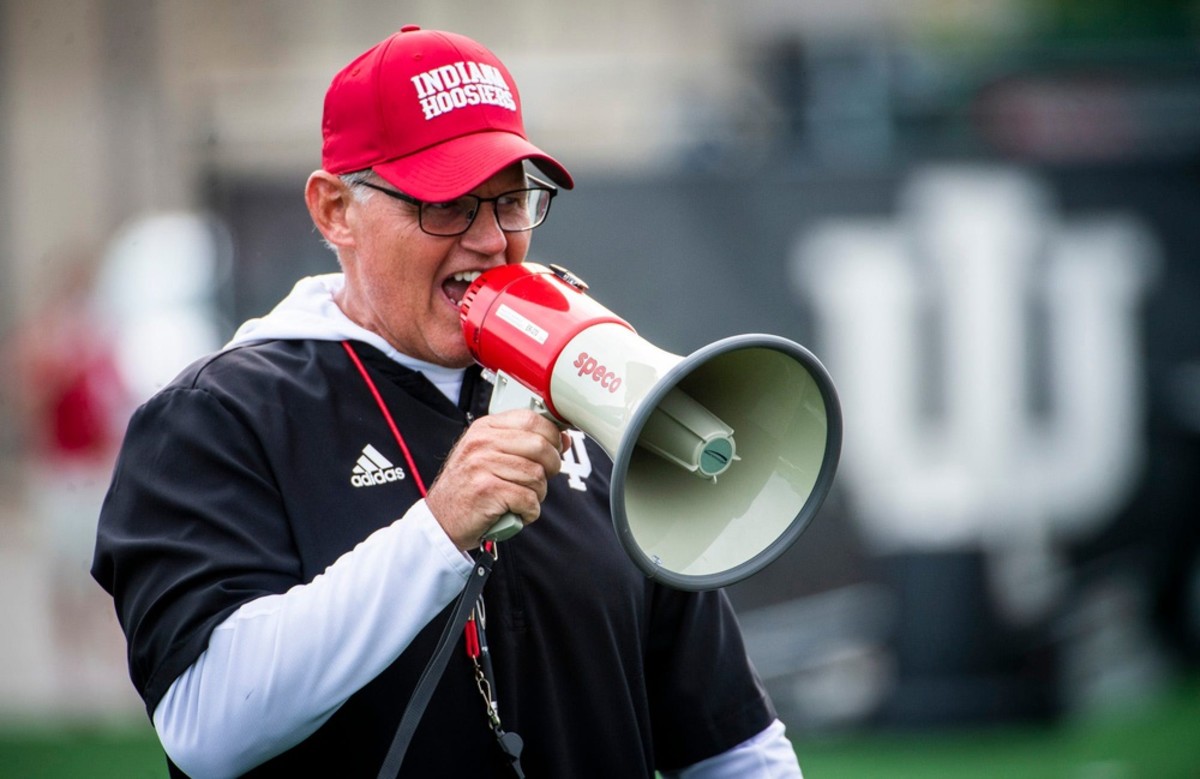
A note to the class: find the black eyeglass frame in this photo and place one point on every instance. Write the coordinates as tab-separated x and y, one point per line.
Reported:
542	186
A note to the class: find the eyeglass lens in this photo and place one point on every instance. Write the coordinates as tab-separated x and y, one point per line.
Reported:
519	210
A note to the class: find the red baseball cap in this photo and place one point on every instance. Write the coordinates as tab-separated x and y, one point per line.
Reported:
434	113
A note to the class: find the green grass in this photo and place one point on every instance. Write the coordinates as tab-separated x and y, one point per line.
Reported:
81	753
1155	741
1159	741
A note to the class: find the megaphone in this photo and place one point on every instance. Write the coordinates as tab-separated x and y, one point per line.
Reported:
721	458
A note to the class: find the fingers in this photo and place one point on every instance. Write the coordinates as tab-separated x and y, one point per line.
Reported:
522	420
502	463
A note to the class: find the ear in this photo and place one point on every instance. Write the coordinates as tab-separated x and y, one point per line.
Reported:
328	202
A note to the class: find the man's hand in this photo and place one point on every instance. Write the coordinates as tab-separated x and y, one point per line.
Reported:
502	463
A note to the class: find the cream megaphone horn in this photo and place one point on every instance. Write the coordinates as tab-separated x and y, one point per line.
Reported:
721	458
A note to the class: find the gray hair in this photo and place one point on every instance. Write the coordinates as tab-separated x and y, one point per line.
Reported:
354	181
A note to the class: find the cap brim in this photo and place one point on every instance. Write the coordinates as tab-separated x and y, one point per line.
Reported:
459	165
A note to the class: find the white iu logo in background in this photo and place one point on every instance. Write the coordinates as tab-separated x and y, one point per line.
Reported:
944	448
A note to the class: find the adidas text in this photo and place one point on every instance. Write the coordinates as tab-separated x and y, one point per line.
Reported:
377	477
374	468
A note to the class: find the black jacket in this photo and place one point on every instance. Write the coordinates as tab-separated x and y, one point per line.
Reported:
234	482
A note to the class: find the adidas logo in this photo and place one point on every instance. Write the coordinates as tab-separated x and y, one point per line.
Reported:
373	468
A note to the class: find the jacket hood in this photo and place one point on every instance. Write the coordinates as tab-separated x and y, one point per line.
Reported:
310	313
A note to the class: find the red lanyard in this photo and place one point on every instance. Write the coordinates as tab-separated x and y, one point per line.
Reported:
387	415
474	634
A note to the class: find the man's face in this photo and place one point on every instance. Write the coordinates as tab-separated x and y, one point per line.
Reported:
405	284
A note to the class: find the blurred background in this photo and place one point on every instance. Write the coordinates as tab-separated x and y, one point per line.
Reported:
980	214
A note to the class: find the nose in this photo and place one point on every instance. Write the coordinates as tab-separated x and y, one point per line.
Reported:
484	235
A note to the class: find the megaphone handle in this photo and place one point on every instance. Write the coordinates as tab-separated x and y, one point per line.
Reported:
510	394
505	528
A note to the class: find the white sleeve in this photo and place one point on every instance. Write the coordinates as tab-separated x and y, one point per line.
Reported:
769	755
281	665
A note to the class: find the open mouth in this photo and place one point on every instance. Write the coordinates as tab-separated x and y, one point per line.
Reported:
456	285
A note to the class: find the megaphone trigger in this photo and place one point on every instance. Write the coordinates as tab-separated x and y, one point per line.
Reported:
508	394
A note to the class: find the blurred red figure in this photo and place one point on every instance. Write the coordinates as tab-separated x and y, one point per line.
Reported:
71	407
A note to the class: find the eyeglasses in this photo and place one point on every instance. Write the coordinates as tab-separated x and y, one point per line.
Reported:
516	211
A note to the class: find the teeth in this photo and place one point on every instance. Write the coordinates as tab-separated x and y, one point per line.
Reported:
466	275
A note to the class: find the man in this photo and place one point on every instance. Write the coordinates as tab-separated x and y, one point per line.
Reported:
278	565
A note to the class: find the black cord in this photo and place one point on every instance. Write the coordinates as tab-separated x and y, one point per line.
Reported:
437	664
